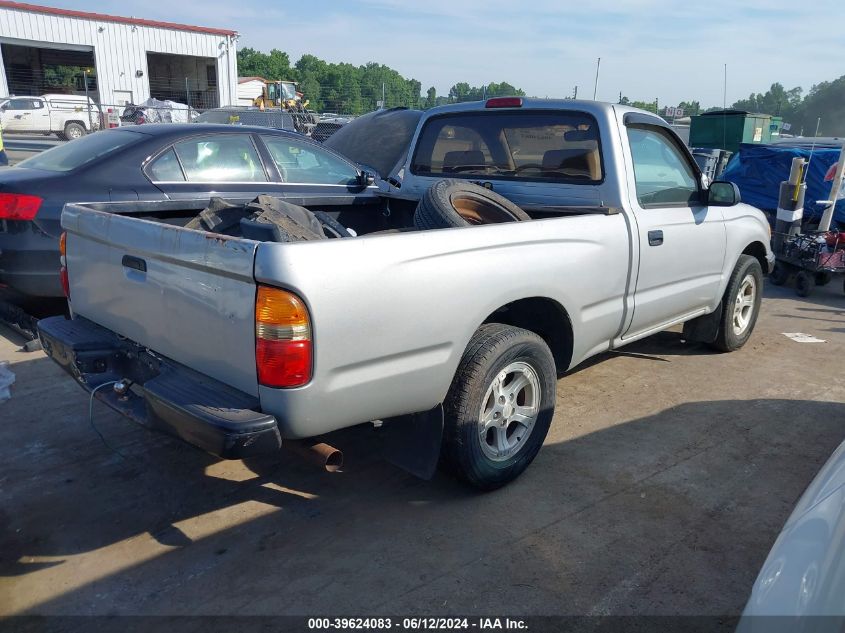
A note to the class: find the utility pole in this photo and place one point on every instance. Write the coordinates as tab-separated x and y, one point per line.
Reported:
596	85
575	93
87	99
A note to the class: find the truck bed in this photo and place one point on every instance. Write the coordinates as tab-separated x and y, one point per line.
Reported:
390	313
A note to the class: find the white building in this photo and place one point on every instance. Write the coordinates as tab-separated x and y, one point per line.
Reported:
125	60
249	89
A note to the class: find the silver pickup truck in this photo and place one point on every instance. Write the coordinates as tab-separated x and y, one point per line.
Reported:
451	339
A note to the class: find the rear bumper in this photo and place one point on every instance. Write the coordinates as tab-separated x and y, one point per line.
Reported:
165	396
29	260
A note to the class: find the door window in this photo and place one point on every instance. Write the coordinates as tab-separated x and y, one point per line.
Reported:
166	168
662	173
224	158
23	104
306	164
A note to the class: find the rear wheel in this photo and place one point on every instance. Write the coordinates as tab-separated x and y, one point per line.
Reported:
804	283
499	407
822	278
740	305
73	131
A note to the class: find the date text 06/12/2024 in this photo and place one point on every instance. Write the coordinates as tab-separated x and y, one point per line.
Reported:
417	624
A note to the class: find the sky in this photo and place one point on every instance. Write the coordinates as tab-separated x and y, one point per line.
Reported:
649	49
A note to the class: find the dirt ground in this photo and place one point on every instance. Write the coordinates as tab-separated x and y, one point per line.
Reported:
666	476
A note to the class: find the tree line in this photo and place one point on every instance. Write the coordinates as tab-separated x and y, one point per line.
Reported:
349	89
824	104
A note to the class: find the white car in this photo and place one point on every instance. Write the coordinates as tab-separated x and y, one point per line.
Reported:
800	587
67	116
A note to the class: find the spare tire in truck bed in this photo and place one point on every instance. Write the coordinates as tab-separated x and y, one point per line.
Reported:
451	203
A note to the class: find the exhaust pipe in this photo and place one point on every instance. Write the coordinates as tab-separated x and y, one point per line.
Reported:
319	453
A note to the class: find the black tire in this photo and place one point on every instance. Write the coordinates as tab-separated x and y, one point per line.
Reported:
73	130
804	283
823	278
779	274
493	348
728	339
451	203
331	227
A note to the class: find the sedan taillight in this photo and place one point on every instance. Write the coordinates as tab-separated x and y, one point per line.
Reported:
19	206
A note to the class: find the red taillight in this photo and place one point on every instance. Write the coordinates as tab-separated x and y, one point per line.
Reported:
283	363
504	102
282	338
63	265
18	206
65	281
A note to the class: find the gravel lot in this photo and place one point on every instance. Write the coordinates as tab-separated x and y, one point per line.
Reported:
666	476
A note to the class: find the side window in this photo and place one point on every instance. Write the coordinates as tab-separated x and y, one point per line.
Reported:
166	168
305	164
662	174
18	104
221	158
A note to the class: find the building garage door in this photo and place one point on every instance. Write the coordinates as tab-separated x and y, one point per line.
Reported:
184	78
36	70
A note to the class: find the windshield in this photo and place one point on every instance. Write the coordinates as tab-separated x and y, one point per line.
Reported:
288	90
74	154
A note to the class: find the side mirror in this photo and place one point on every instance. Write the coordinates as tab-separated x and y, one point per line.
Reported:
365	178
723	194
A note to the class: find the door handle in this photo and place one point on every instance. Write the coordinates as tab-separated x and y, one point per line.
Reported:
655	238
135	263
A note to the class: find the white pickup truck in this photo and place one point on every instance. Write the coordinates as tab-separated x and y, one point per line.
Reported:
67	116
452	337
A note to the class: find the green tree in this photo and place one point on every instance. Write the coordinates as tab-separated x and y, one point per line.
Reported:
825	104
430	98
650	106
691	108
350	89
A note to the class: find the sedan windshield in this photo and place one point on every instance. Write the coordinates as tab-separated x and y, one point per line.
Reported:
74	154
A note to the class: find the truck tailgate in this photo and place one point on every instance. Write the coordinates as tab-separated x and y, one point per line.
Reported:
187	295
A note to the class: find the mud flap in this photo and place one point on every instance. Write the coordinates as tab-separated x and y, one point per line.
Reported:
703	329
412	442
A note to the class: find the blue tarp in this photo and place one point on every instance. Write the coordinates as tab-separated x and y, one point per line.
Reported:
758	171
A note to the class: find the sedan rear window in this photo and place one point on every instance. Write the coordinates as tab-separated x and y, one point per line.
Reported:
527	145
73	154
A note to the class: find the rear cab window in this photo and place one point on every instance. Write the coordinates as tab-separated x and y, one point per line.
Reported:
534	145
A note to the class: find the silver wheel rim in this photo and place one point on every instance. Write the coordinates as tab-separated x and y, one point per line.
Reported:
509	411
74	133
744	304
